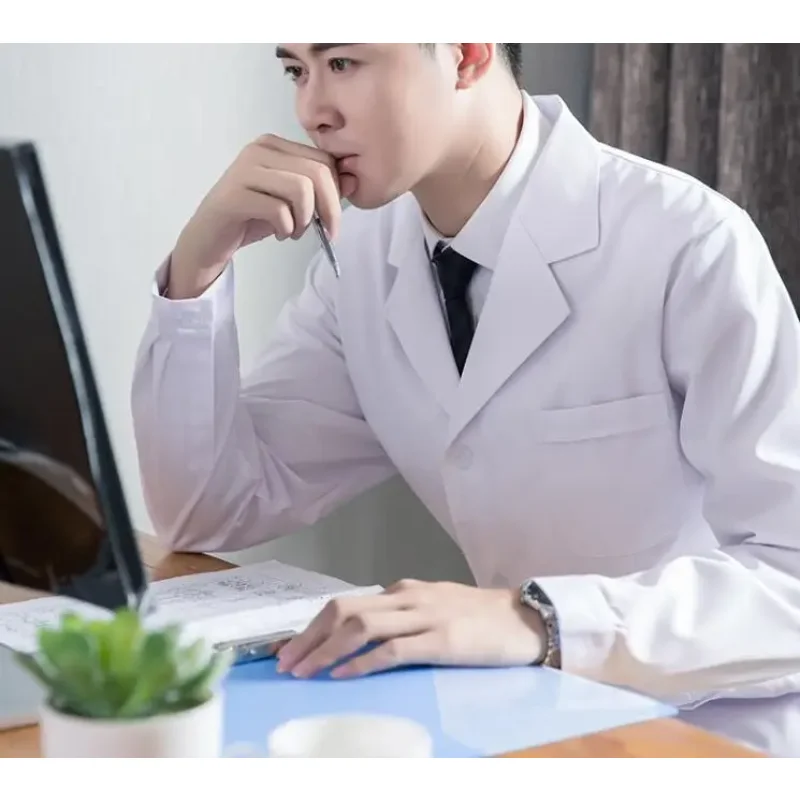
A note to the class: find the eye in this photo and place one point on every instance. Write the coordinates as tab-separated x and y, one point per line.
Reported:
294	72
340	64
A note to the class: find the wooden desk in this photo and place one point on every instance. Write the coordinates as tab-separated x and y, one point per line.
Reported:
658	739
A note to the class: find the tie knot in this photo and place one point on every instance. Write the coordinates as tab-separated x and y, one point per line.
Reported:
455	271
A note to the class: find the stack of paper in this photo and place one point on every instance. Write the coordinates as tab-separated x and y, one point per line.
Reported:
255	600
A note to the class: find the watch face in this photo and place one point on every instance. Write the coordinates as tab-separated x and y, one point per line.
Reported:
532	593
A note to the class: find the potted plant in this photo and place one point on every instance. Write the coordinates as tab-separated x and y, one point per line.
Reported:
115	689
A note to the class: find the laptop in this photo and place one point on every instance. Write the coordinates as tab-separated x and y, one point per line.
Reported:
64	523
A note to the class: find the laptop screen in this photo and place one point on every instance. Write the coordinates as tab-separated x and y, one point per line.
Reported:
64	523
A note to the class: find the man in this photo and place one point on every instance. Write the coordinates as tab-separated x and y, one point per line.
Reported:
584	364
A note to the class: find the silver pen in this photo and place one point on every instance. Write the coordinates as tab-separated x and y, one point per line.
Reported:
326	243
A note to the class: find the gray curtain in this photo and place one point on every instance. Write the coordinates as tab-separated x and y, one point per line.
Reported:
729	114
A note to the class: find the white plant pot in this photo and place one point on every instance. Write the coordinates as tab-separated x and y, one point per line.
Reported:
196	733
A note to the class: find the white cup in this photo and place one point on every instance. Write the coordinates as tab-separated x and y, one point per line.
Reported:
350	736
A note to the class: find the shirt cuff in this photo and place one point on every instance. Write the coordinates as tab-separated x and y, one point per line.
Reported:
213	307
587	624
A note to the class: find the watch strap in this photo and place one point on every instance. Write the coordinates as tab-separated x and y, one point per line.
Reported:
533	596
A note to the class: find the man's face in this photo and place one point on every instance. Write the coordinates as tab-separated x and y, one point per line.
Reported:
387	112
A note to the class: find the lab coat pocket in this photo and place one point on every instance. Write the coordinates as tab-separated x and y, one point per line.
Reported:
612	418
610	478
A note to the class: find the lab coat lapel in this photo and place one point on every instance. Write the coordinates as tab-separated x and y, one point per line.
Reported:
413	309
525	305
557	218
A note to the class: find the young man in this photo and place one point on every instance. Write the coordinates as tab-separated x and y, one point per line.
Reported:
593	384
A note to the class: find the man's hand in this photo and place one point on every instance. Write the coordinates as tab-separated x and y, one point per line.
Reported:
416	622
271	189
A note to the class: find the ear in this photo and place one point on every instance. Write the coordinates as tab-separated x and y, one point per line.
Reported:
474	61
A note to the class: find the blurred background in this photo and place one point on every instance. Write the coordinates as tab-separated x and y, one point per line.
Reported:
132	136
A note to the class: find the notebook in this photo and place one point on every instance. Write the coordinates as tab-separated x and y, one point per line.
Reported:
241	602
468	712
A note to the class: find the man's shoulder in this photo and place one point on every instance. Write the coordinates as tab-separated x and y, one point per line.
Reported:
664	195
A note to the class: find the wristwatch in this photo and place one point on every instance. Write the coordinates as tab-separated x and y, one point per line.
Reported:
533	596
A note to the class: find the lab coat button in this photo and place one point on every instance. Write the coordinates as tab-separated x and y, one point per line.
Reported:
462	456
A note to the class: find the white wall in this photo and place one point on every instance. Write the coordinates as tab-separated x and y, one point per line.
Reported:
131	137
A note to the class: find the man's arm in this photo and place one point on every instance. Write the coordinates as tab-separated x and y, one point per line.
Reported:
716	624
227	463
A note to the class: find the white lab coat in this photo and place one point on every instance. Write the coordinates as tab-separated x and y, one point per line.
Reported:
627	427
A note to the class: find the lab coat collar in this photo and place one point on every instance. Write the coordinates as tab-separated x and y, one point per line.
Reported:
557	218
482	236
560	206
559	202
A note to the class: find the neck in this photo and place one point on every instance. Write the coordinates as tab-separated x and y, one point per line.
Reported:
451	194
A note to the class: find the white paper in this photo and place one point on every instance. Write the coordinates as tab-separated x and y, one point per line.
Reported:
255	600
20	621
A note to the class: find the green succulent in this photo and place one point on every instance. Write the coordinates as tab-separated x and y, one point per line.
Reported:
118	669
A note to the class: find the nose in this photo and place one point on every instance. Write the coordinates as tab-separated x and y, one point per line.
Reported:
317	111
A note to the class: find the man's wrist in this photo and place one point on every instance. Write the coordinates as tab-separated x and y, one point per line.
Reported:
533	620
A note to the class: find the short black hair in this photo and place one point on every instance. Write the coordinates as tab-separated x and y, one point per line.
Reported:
511	54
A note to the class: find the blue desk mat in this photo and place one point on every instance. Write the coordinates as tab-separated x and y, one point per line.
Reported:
468	712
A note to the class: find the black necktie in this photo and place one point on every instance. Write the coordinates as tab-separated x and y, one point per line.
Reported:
455	273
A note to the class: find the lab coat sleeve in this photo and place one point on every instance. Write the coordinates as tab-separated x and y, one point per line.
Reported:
726	623
227	462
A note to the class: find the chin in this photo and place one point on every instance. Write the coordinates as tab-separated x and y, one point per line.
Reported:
368	198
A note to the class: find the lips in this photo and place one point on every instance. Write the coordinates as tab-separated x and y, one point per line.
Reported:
346	164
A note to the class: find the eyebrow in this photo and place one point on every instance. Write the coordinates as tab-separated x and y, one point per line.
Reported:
282	52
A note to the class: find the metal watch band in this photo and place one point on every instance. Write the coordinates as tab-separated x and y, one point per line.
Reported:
533	596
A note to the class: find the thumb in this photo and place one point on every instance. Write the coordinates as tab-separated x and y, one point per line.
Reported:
347	184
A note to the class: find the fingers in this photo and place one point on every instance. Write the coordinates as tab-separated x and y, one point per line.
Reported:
271	142
327	198
295	651
273	211
275	154
343	626
275	648
353	634
297	190
347	184
407	650
335	613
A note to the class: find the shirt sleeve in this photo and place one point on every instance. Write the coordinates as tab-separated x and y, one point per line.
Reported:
227	461
726	623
